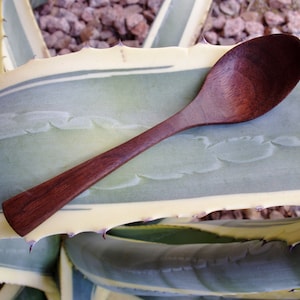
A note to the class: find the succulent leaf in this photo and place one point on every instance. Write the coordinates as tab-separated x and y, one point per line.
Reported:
156	269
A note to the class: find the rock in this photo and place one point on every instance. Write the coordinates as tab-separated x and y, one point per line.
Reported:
275	30
63	3
49	39
132	9
226	41
99	3
89	33
254	28
293	22
75	47
275	215
227	215
230	7
234	27
43	21
113	40
120	26
96	44
253	214
215	10
140	30
108	15
219	22
76	28
118	19
209	24
133	20
64	51
60	24
250	16
238	214
131	43
154	5
77	8
137	25
52	52
44	10
149	15
211	37
62	40
105	34
279	4
129	2
88	14
52	24
67	14
273	19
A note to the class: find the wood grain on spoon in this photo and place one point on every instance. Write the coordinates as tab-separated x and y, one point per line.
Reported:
245	83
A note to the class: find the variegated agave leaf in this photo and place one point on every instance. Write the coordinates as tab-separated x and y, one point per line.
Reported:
23	269
52	119
178	23
215	269
23	39
220	231
16	292
77	287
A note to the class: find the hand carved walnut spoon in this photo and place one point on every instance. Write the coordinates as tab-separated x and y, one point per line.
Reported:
245	83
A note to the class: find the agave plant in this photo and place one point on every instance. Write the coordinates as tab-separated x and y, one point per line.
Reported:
57	112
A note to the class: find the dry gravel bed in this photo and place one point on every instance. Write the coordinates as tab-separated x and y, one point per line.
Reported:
233	21
278	212
70	25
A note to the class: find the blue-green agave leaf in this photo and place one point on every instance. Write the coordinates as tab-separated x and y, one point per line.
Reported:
147	268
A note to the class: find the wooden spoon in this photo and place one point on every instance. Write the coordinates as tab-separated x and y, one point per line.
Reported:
245	83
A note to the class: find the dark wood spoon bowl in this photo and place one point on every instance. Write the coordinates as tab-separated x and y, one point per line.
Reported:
248	81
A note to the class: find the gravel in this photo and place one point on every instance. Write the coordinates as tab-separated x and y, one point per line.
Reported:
278	212
69	25
233	21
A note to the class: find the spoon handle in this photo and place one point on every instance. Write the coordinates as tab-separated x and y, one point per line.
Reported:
27	210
